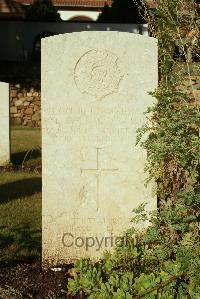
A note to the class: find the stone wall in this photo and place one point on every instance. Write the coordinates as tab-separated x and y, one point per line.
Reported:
25	106
25	103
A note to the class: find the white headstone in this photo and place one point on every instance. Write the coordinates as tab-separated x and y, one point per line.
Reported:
95	89
4	124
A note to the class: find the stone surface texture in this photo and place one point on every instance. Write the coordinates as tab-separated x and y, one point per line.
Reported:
95	89
31	96
4	124
25	105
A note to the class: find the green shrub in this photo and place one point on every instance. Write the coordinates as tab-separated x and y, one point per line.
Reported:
10	293
162	261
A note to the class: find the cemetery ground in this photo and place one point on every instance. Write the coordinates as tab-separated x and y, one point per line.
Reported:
20	223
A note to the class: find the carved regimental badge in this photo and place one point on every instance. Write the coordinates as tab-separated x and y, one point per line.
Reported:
97	73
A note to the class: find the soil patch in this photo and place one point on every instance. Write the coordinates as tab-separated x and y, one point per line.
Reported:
34	282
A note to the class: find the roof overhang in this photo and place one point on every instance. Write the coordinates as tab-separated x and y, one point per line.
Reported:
74	3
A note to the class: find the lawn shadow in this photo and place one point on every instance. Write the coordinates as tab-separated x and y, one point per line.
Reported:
20	157
5	241
18	189
23	243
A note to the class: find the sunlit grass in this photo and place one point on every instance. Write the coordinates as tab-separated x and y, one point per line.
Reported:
20	201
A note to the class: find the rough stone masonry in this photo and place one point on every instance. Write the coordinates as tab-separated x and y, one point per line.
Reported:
4	124
95	89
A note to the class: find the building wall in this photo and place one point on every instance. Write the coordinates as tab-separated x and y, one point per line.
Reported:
25	106
68	15
19	37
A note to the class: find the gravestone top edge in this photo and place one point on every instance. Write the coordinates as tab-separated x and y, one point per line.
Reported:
134	36
4	83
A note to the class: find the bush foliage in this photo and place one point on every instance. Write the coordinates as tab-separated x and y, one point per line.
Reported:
162	261
42	10
121	11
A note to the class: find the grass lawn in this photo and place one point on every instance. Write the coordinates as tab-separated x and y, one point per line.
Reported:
20	199
26	147
21	274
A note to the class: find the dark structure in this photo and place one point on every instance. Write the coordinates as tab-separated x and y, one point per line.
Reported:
122	11
10	9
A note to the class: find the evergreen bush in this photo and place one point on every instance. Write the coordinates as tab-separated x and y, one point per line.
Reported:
162	261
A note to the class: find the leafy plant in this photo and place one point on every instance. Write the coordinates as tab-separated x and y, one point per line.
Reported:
162	261
10	293
42	10
121	11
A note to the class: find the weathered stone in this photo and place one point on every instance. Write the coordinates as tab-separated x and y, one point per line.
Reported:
15	121
20	95
16	115
25	122
19	100
36	99
13	93
38	103
13	109
28	111
30	124
36	108
18	103
29	99
4	124
36	117
93	101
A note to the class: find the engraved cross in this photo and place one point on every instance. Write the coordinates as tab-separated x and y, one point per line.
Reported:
97	172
